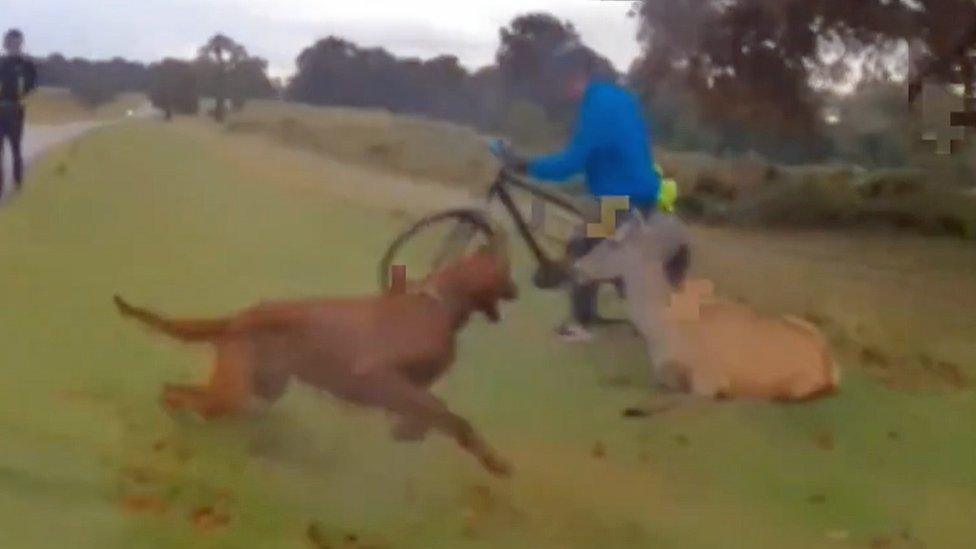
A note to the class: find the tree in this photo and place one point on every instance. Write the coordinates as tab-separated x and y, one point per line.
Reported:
92	91
334	71
763	63
873	126
217	60
529	44
93	82
248	79
174	88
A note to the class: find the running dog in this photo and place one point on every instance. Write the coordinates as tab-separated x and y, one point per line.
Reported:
383	351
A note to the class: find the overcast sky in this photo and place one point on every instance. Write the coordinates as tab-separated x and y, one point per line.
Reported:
147	30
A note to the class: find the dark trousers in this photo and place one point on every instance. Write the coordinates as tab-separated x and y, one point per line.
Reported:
583	297
12	130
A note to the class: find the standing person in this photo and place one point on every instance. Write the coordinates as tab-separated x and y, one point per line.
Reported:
611	146
18	78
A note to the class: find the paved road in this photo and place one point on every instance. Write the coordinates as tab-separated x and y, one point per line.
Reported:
40	139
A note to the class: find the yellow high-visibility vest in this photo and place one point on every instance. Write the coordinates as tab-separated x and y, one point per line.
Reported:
668	195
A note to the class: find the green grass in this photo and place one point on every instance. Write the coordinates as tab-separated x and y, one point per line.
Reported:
178	217
58	106
415	147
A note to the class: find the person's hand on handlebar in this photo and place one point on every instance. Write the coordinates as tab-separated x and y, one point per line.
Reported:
510	160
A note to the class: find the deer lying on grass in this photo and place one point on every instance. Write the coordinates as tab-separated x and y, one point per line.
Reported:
705	346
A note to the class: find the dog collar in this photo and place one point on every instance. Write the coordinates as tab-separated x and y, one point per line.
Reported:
432	293
450	308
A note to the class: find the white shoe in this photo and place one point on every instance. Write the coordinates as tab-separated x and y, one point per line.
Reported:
574	333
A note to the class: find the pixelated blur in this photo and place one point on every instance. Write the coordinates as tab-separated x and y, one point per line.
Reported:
939	105
547	274
398	277
609	206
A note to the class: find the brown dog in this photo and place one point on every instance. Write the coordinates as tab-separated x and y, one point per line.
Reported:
382	351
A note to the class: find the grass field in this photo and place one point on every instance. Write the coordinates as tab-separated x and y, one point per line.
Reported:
58	106
194	221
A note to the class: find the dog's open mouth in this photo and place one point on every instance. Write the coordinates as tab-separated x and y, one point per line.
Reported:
495	309
494	312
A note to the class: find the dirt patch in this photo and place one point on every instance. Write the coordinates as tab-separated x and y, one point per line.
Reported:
207	519
918	373
316	536
144	505
824	440
599	450
142	475
904	539
913	373
817	499
319	538
486	511
82	396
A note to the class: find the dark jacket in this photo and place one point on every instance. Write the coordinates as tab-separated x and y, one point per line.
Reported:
18	77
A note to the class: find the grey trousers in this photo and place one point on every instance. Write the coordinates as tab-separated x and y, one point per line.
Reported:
651	254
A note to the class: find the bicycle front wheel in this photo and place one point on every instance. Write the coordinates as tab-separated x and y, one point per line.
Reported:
433	241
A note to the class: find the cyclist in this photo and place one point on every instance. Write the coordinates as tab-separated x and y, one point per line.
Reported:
18	78
611	146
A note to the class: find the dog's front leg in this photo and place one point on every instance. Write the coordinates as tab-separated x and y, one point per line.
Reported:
390	391
410	429
177	397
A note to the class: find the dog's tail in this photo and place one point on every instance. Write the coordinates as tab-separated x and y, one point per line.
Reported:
184	330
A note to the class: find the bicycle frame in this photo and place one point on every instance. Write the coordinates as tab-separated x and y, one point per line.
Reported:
498	189
551	273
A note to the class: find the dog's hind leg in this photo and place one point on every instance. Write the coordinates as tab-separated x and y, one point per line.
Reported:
410	430
178	397
229	388
390	391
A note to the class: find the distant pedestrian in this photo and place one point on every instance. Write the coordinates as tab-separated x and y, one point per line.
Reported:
18	78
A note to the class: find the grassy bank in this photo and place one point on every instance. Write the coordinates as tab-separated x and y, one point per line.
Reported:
58	106
744	191
195	221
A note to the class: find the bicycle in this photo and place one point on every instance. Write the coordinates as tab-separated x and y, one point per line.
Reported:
551	273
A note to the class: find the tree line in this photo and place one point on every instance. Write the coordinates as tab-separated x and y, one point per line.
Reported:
334	71
222	70
758	74
721	76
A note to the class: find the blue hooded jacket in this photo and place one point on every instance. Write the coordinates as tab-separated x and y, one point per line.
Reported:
611	145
